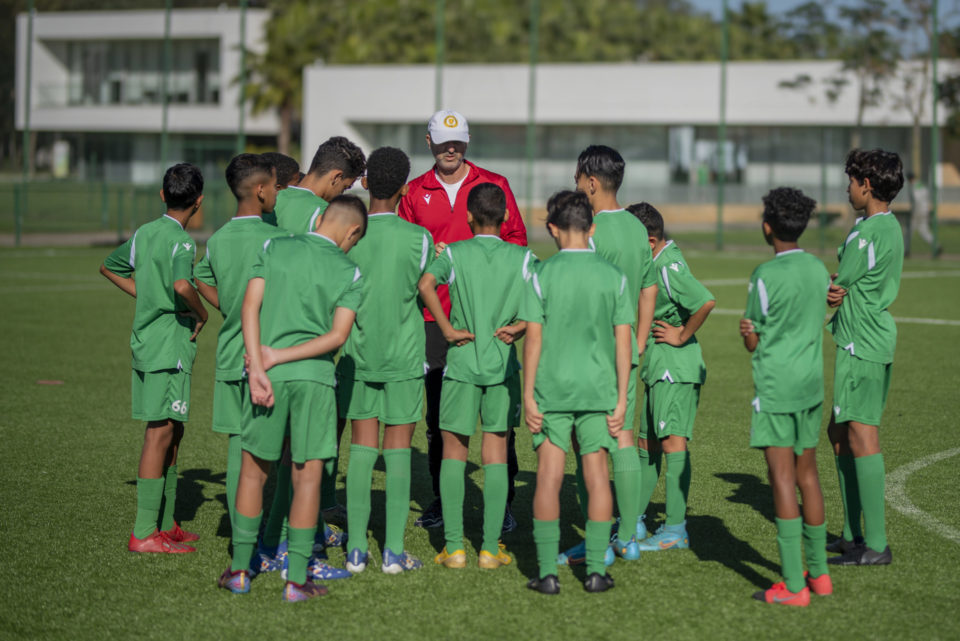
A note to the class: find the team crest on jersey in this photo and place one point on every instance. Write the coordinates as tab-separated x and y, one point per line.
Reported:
450	121
675	267
862	243
663	425
187	246
426	198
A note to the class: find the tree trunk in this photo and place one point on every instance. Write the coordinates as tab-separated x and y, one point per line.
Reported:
286	124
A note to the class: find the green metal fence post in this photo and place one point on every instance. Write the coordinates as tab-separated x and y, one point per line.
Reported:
934	135
119	201
164	88
440	21
242	100
17	210
27	147
532	98
722	128
104	205
822	227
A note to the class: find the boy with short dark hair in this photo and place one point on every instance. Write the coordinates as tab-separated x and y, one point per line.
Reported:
577	352
288	175
221	277
620	239
673	372
864	287
380	374
783	327
485	277
300	336
335	167
168	317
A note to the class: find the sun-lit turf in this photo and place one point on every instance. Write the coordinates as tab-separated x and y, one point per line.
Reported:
68	464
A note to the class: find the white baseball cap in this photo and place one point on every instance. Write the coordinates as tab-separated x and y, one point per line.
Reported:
447	125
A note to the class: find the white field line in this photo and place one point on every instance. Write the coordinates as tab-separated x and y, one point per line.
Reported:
898	319
54	276
897	494
39	289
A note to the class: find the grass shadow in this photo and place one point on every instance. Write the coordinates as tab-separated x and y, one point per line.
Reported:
711	540
752	491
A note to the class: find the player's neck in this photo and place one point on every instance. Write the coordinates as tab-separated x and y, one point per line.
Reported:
182	216
604	201
383	205
313	183
658	246
875	207
572	239
780	246
486	230
455	176
247	208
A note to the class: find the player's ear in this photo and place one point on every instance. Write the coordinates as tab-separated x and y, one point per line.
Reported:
429	143
198	203
363	183
404	190
506	215
653	241
469	217
552	229
162	197
592	229
866	186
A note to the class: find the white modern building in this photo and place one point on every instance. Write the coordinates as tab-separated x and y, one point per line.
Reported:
96	86
781	128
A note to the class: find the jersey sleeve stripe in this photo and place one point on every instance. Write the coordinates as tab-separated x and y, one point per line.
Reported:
623	284
536	286
871	257
764	299
666	281
356	274
526	263
424	252
851	237
133	250
313	220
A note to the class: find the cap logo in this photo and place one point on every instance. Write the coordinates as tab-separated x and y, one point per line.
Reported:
450	121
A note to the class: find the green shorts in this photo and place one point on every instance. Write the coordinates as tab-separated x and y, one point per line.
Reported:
859	389
393	402
306	411
630	419
498	406
229	402
799	430
161	395
669	409
590	427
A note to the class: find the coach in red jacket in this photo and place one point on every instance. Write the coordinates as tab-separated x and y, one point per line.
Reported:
437	200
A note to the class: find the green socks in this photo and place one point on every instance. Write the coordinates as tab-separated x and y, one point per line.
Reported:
581	487
234	462
451	498
149	496
328	483
677	486
546	536
397	463
790	542
245	531
495	487
849	496
597	536
299	548
814	548
626	481
871	478
279	509
649	473
359	480
169	498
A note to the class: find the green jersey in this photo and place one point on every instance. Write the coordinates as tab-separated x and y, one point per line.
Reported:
578	298
160	253
387	342
298	209
486	277
786	301
622	239
307	277
871	260
231	252
679	296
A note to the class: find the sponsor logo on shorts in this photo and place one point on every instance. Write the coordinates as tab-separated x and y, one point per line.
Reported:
663	425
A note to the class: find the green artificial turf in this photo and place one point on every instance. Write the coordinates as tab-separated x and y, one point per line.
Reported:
68	464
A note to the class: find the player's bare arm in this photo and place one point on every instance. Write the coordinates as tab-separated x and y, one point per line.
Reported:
324	344
184	289
261	390
615	421
209	293
128	285
750	337
679	335
510	334
428	293
645	308
531	359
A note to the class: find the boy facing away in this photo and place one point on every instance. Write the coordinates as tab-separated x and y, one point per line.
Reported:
296	400
485	276
380	374
864	287
335	167
621	240
168	317
221	277
783	327
577	354
673	372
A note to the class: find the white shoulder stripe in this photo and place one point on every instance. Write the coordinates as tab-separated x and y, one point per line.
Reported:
526	264
623	284
356	274
312	225
764	299
666	281
266	244
424	252
453	273
871	257
133	250
176	246
536	286
851	237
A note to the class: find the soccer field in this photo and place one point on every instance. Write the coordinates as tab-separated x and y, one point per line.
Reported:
67	498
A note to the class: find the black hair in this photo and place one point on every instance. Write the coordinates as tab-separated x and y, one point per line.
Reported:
487	204
787	211
243	168
603	163
883	168
570	210
352	204
387	172
338	153
288	169
650	217
182	185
